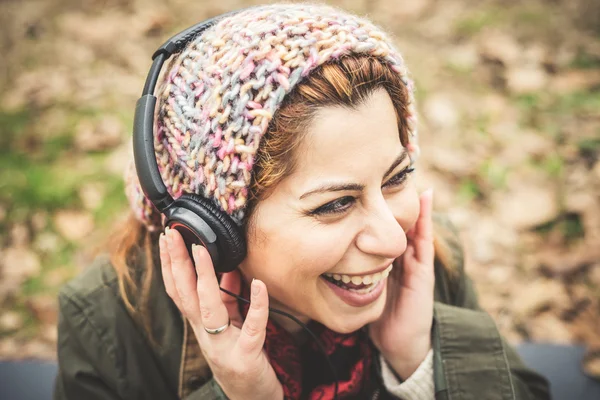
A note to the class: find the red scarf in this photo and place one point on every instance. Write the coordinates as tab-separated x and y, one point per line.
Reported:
303	370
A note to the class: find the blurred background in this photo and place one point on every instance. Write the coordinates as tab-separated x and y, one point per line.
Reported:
509	99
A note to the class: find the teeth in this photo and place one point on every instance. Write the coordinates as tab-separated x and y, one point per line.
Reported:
366	279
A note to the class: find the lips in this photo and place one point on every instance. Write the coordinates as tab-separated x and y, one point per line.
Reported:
357	297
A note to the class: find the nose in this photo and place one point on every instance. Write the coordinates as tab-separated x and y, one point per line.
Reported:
382	234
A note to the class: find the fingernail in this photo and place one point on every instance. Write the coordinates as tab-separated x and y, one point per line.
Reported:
255	289
428	194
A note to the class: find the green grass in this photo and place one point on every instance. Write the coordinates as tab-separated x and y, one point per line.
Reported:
589	149
494	174
472	24
522	19
11	125
547	112
30	327
114	201
553	165
589	145
584	60
61	258
34	285
469	191
482	123
43	173
569	224
580	102
35	185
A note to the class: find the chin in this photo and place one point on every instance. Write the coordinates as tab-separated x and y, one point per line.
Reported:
351	322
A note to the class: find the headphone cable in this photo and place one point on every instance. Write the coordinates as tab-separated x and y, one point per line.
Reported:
296	320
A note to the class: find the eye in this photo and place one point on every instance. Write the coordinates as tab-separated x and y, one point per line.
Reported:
337	206
399	178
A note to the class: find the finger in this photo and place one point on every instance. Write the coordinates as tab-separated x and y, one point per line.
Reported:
254	330
409	260
165	266
423	235
232	282
212	310
424	227
414	274
183	276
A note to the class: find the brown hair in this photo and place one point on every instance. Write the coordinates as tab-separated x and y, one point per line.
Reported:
347	82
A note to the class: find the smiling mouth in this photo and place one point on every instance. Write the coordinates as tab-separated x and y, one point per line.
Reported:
361	284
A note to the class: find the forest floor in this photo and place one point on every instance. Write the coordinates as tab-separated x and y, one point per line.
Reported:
509	101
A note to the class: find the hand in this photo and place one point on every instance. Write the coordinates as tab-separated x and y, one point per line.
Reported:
235	356
402	333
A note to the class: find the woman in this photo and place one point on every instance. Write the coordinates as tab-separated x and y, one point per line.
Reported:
297	123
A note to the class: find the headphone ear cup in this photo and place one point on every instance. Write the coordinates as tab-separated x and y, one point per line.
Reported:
231	243
191	237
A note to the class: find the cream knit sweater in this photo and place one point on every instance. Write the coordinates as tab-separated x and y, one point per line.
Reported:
419	386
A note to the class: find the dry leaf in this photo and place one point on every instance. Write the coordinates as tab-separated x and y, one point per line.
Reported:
47	242
441	111
451	161
44	307
49	333
74	225
538	295
57	276
548	328
591	364
19	235
18	264
557	262
98	136
10	321
575	80
521	80
39	220
92	195
526	206
499	46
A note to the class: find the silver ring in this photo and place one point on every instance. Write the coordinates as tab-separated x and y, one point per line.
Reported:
218	330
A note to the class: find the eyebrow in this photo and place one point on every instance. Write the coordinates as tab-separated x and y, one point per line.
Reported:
340	187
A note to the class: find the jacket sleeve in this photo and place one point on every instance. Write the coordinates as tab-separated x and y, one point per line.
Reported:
84	370
87	364
471	359
209	391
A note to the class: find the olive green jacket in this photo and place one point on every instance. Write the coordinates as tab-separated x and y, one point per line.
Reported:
104	354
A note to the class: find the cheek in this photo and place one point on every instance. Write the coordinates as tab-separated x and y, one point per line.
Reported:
406	207
295	254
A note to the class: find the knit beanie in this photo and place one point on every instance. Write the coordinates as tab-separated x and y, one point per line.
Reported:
220	93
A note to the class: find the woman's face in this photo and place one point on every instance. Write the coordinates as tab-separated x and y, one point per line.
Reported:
341	216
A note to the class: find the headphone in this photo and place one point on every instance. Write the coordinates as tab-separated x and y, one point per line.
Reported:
195	217
198	220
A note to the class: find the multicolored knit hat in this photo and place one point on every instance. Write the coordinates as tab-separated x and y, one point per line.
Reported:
222	90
